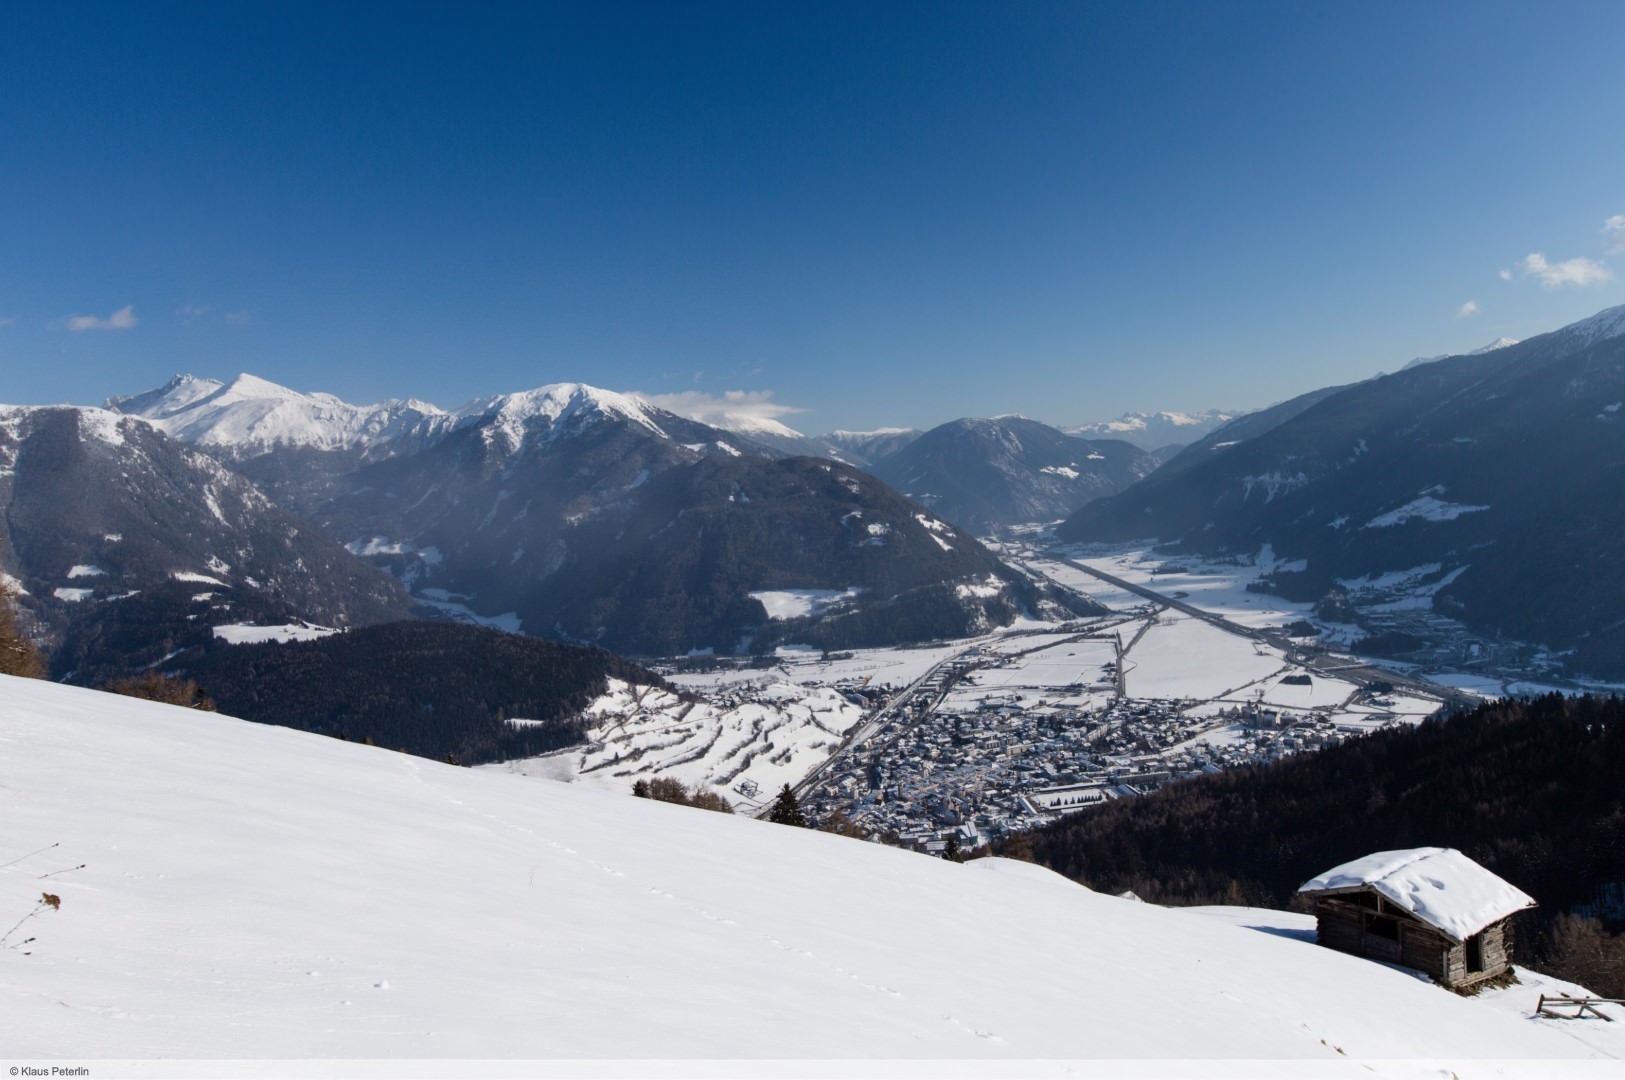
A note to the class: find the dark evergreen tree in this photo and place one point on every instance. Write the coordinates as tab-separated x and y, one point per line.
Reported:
785	810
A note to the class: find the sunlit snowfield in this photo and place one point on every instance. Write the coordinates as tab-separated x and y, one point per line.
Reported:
253	891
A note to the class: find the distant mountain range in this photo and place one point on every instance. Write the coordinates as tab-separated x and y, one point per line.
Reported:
1494	480
986	474
585	515
1155	432
582	514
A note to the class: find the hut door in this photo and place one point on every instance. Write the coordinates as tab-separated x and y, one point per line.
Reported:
1475	953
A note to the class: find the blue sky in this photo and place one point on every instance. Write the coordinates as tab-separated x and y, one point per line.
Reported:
876	214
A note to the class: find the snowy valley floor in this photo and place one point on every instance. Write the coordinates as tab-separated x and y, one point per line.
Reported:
255	892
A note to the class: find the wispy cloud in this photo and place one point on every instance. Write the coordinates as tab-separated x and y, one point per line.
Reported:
1467	310
122	319
1579	272
9	320
1506	275
734	409
1613	234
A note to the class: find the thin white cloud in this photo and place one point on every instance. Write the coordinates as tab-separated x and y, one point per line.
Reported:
1506	275
1468	309
1613	234
9	320
1579	272
735	410
122	319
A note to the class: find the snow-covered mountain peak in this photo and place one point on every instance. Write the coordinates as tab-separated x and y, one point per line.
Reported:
180	392
554	408
1498	343
246	387
251	416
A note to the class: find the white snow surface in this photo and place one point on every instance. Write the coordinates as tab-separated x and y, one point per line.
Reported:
1440	886
194	576
552	410
1426	507
798	603
257	415
256	892
249	634
767	731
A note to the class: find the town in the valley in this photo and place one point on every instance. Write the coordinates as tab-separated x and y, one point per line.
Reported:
955	744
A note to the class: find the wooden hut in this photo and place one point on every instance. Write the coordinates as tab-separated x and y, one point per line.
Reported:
1432	909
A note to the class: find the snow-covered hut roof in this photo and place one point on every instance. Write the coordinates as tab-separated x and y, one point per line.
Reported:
1440	886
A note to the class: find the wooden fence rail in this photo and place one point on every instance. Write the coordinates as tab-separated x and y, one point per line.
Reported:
1584	1007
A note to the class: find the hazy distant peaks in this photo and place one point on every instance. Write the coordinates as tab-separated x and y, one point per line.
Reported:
1155	430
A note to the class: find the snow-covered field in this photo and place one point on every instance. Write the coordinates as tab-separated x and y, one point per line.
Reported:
1220	588
256	892
249	634
745	741
894	668
1183	657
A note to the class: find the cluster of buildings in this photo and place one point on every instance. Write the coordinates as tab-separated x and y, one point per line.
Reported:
931	777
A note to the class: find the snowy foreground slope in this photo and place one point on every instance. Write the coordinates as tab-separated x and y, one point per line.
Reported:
258	892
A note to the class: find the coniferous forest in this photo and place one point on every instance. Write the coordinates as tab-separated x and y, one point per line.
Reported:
435	689
1530	789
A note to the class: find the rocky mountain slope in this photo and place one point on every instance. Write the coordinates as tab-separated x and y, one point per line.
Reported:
596	518
117	533
1497	477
